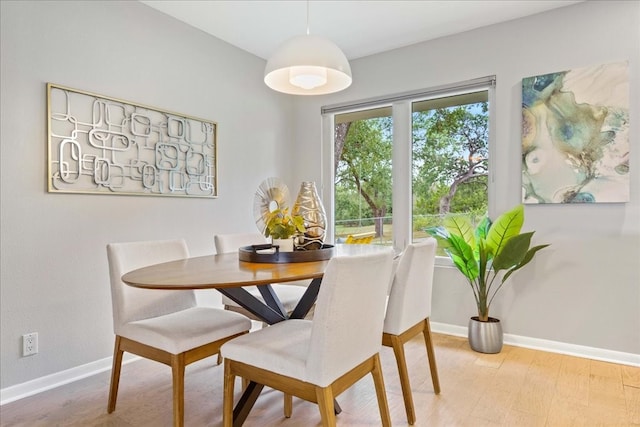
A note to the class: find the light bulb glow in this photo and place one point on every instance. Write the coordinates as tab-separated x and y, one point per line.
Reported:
307	77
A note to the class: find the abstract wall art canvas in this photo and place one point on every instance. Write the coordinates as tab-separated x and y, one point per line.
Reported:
575	136
104	145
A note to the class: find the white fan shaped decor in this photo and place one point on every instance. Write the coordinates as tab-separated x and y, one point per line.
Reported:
272	194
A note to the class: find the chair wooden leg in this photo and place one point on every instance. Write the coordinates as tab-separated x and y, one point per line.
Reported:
219	358
432	356
401	361
288	405
115	375
177	368
381	393
227	402
324	395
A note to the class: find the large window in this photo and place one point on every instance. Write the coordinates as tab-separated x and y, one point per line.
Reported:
401	163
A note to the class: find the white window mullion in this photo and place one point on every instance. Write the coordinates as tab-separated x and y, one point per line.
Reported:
402	194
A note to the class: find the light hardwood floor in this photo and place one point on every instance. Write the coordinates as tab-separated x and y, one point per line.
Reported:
517	387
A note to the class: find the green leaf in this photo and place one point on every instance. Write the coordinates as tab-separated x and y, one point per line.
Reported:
528	257
505	227
464	267
483	228
298	221
438	232
460	226
513	252
483	258
462	256
441	235
480	251
281	225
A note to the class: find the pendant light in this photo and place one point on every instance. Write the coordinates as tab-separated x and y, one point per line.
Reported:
308	65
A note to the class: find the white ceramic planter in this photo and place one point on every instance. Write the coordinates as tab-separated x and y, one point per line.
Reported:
285	245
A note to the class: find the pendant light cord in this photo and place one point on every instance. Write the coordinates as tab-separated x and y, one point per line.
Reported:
307	17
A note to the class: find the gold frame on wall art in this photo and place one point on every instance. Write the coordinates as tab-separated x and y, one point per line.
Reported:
103	145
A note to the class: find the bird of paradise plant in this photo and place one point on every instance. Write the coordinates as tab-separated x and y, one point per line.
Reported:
481	254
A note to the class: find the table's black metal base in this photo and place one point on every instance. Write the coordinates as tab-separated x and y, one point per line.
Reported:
271	311
246	402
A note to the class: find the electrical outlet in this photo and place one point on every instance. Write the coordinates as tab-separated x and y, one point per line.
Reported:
30	344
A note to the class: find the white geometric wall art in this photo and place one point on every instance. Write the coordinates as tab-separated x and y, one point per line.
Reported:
103	145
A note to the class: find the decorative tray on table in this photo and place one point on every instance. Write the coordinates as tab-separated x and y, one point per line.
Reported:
271	254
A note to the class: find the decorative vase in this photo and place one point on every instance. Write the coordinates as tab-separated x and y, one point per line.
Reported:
284	245
309	206
485	337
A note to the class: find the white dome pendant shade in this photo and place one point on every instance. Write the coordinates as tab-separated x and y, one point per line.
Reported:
308	65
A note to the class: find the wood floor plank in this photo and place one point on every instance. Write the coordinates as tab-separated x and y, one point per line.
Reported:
632	397
566	411
631	376
606	369
519	418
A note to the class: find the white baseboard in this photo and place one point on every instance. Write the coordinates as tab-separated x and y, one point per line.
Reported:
612	356
38	385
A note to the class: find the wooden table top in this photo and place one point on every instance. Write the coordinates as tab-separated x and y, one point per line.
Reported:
226	270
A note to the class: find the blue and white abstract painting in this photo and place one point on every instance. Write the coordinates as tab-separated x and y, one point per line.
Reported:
575	136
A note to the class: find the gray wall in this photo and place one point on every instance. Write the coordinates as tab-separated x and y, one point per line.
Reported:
54	279
54	267
585	288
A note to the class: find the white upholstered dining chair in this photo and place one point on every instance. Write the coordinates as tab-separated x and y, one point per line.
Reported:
318	359
162	325
288	293
408	311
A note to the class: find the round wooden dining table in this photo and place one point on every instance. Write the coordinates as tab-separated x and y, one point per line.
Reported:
227	274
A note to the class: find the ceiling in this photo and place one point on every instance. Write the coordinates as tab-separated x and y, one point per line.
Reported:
359	27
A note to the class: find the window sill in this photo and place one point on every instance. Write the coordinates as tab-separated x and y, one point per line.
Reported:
443	261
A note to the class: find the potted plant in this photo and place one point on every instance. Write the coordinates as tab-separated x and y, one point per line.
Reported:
494	249
282	227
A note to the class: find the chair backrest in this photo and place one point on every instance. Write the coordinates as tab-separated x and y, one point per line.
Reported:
410	295
226	243
349	314
131	304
